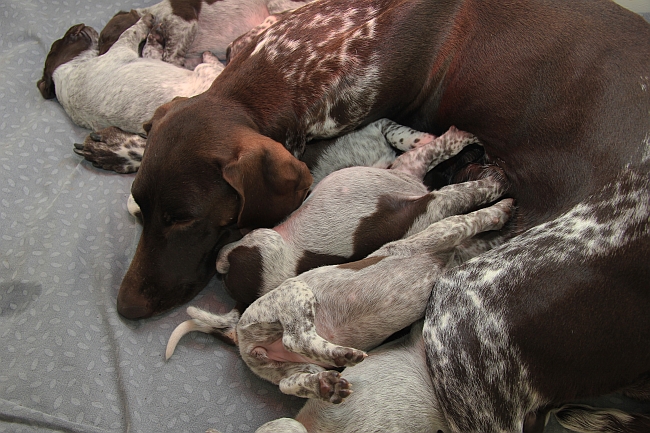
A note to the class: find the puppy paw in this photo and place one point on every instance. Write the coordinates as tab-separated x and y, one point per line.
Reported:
333	387
503	211
347	356
113	149
155	44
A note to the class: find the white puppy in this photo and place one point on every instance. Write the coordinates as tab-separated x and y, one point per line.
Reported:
118	89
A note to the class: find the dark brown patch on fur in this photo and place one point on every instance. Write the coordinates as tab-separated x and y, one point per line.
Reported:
392	219
189	10
311	260
244	278
363	263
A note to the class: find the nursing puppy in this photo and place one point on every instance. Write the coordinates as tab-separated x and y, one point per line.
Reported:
118	89
354	211
296	335
191	27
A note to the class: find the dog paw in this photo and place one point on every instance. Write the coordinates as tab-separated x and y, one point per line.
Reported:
155	44
504	209
333	387
208	57
347	356
456	134
113	149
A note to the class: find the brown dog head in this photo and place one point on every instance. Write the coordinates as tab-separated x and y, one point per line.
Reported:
205	175
114	29
76	40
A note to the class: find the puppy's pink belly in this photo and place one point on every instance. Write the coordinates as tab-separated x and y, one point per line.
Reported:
276	352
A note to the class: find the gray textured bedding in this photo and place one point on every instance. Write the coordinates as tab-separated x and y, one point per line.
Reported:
68	361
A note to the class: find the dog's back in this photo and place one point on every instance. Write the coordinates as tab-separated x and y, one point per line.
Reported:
120	89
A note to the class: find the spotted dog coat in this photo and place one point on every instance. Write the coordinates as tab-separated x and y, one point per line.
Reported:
117	89
367	207
327	317
605	228
557	93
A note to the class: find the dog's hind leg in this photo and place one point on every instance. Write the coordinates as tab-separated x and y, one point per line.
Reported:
293	305
326	385
113	149
422	158
451	231
460	198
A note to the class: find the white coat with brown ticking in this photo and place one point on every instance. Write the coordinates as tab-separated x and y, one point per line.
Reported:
354	211
298	334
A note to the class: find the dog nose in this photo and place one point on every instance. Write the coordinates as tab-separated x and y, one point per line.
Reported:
133	307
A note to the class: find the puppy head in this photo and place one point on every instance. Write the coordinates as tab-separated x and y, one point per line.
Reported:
77	39
255	265
114	29
205	175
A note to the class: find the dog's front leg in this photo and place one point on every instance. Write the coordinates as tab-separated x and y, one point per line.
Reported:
402	137
326	385
451	231
427	154
113	149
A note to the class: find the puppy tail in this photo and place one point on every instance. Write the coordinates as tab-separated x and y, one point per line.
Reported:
586	419
223	326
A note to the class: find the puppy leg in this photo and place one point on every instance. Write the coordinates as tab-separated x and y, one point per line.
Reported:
292	305
326	385
419	160
402	137
300	331
451	231
129	41
179	35
154	46
113	149
460	198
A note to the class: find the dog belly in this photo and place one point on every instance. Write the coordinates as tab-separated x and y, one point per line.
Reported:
275	351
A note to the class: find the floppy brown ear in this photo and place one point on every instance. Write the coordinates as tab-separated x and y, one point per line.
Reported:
270	181
46	87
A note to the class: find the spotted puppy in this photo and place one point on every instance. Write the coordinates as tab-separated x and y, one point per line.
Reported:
364	208
298	334
117	90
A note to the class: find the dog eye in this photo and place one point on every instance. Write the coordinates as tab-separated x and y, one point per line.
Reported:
175	220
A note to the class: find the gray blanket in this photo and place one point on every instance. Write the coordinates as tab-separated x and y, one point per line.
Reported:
68	361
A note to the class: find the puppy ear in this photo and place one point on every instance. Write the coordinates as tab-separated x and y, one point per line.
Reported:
46	87
270	181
